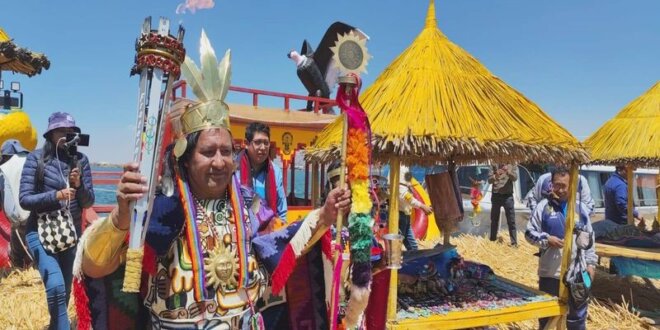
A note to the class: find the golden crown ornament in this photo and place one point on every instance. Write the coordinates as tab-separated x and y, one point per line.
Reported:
210	85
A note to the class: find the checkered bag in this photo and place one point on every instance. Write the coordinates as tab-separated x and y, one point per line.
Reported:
56	230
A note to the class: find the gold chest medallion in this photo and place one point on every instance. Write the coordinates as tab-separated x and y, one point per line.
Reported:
221	267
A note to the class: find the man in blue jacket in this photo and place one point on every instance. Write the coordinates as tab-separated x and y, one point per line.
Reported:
615	194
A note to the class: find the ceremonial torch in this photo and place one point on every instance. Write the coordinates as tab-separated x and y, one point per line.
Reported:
158	60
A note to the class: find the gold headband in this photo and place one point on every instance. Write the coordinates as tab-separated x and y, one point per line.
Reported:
200	116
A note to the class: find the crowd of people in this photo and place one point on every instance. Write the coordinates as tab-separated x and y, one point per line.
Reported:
53	185
238	207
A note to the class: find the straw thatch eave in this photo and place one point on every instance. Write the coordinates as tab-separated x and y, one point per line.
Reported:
21	60
632	136
435	103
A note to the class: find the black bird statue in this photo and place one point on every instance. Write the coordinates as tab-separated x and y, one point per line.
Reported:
314	67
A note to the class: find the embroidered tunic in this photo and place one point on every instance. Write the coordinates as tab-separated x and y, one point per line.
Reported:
170	298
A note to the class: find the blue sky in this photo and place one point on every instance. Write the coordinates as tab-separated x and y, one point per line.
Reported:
581	61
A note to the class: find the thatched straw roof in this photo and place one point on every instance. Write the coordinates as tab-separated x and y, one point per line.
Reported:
436	102
632	136
21	60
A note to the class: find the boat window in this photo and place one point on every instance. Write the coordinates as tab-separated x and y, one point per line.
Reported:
645	191
299	181
528	174
420	172
468	174
595	181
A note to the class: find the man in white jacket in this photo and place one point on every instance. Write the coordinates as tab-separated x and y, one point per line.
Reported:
546	229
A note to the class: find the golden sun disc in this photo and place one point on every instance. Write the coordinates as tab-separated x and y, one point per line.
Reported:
350	54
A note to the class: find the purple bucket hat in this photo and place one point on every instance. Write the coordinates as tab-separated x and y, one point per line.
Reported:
59	120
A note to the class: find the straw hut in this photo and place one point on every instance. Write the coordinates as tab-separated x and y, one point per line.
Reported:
631	138
21	60
436	103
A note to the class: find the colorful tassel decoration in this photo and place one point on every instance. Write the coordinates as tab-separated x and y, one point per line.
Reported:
358	158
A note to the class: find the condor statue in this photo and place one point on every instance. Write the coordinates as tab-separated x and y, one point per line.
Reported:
314	67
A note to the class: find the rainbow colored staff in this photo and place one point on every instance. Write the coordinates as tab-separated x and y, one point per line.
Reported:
360	221
350	57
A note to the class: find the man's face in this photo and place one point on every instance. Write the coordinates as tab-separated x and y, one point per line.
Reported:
560	184
211	165
258	148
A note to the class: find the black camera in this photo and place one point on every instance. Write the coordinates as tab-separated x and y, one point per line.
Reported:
77	139
73	140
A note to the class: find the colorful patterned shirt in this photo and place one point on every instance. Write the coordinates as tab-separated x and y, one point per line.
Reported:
171	299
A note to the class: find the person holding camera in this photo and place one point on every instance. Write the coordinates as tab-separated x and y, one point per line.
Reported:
56	184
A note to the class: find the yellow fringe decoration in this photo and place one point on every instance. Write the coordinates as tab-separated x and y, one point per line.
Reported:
133	275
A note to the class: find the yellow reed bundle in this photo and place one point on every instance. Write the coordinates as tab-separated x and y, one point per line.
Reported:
16	59
632	136
24	301
436	102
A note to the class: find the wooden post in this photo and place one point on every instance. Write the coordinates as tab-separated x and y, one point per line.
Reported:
316	192
393	228
657	194
568	236
322	181
306	194
292	166
631	199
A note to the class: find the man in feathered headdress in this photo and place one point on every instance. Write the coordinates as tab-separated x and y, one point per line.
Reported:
210	250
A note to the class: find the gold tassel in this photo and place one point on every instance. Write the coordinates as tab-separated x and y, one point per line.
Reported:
133	275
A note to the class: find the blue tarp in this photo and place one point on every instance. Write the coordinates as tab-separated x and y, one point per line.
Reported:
628	266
